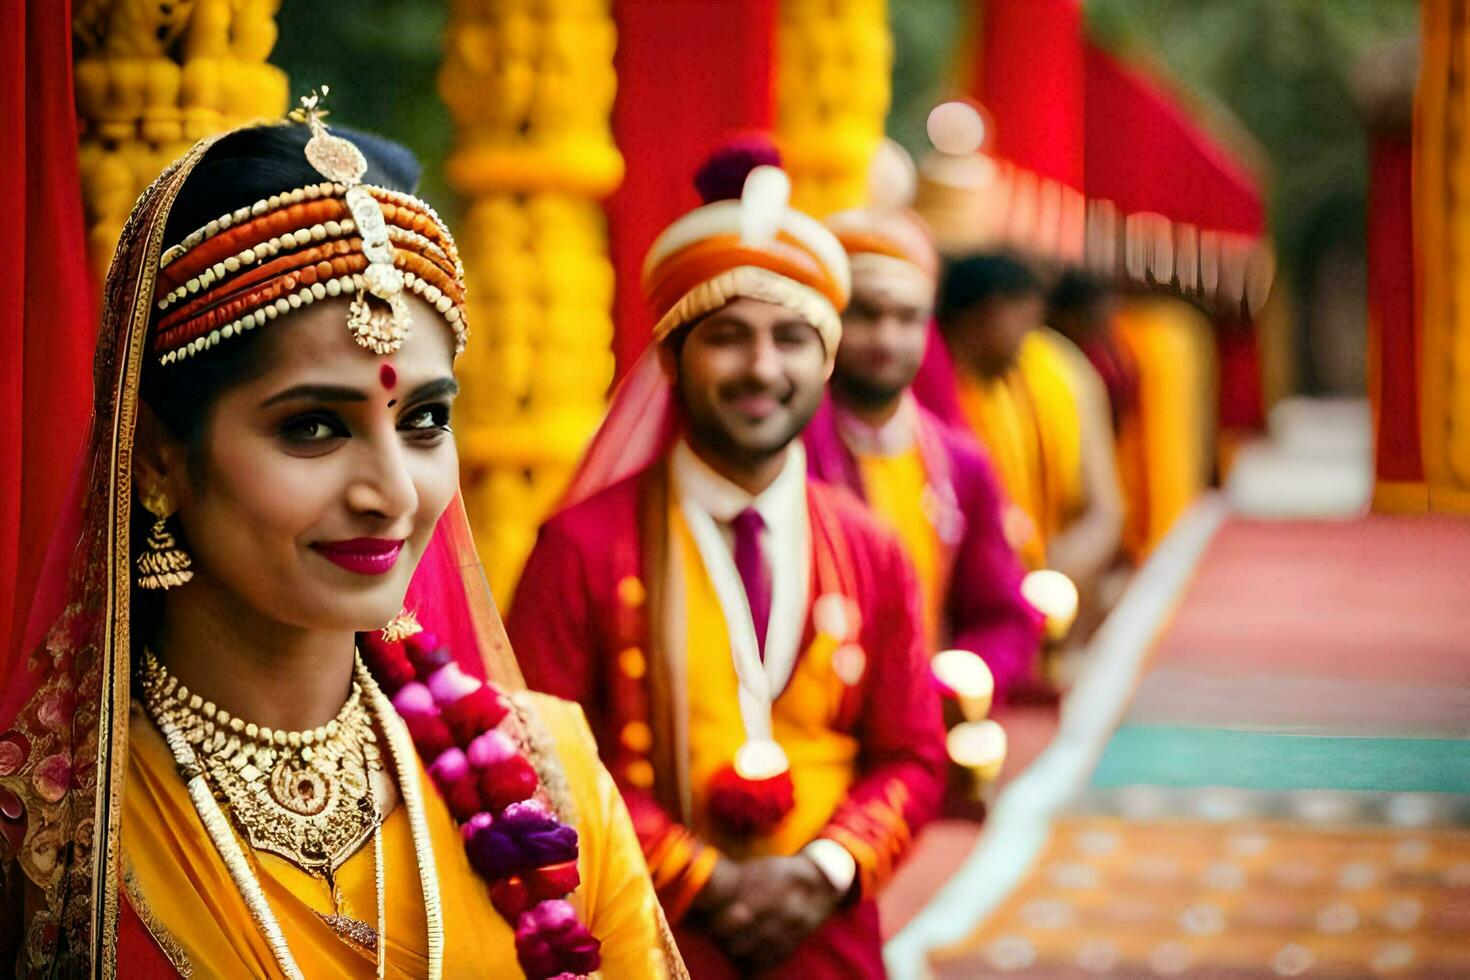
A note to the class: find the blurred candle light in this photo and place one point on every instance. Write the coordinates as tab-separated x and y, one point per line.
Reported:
964	677
956	128
979	749
1055	597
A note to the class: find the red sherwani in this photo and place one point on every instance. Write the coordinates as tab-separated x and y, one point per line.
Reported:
586	623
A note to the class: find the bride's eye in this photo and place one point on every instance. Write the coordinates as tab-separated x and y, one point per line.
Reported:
426	421
312	429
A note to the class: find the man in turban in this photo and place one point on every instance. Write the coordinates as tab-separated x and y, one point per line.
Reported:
927	481
747	643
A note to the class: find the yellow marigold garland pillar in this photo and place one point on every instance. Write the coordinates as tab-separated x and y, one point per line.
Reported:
833	83
530	88
151	78
1442	231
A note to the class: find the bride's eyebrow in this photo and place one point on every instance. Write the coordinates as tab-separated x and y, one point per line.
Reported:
314	392
437	388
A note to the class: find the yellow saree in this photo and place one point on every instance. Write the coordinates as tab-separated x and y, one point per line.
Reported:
185	896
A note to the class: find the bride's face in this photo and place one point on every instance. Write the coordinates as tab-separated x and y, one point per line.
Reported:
318	482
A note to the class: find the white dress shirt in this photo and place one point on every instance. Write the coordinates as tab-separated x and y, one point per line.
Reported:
709	503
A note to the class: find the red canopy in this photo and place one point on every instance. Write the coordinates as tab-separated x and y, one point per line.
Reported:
1144	153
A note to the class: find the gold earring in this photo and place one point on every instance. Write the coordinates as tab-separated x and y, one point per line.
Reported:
163	564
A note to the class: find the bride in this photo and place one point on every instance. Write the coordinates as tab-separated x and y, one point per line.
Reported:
215	758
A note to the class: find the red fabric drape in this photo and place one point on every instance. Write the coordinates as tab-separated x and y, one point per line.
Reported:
1393	328
1029	76
1242	404
1144	153
46	303
690	72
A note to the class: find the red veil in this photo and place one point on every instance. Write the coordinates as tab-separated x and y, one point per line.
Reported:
64	697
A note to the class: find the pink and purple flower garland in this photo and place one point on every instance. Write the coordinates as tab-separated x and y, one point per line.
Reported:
526	855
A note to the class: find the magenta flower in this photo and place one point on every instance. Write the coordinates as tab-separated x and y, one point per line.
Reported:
551	942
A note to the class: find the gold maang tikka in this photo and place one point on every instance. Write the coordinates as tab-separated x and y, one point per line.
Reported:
162	563
381	331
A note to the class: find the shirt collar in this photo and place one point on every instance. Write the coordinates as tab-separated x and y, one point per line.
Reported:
893	438
778	504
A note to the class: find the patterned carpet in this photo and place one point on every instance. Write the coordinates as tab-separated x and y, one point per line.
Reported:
1288	793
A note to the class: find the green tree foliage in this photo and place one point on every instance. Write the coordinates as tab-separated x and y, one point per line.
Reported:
927	38
381	58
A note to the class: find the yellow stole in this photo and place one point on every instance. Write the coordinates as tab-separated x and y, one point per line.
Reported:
1174	429
186	897
897	488
823	760
1029	419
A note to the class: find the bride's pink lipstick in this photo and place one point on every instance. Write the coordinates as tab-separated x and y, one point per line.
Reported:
363	556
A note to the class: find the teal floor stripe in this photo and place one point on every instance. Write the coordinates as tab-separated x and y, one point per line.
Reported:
1168	755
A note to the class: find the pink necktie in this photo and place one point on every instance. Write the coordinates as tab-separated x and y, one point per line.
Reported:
755	575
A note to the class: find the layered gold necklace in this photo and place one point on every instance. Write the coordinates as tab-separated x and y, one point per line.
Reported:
311	797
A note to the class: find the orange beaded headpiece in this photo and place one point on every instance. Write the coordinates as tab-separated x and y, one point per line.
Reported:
340	237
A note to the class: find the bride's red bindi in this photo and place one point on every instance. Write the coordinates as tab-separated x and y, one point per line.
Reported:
387	376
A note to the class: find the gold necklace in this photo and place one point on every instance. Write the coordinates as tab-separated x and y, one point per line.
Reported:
400	748
309	797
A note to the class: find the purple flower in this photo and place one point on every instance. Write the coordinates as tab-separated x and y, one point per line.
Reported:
525	836
722	177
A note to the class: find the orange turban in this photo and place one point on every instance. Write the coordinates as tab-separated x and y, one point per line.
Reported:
754	246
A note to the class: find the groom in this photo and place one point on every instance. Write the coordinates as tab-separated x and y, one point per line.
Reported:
747	643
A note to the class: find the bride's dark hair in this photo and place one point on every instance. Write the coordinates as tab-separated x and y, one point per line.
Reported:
242	168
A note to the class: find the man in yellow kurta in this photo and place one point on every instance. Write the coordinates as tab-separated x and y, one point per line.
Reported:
928	481
1036	405
747	643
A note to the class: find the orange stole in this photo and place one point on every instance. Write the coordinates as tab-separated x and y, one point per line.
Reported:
805	717
1029	419
897	488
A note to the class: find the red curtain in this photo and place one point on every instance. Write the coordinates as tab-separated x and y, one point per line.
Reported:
1029	76
1242	404
1392	325
690	72
47	307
